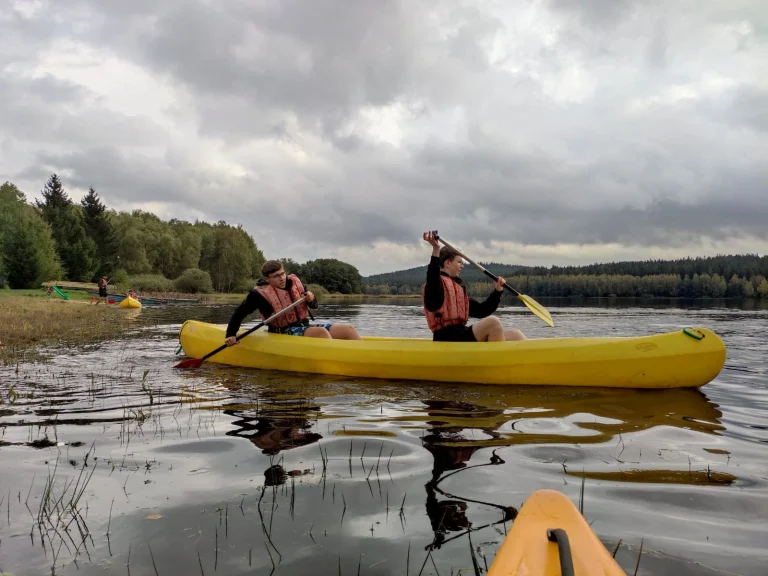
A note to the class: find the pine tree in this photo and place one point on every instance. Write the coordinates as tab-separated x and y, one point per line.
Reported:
26	244
22	265
99	228
11	205
11	202
76	250
55	198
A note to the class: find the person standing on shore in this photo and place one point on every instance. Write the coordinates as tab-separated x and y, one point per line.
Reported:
103	292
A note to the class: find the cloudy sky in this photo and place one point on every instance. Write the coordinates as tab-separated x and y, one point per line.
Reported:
538	132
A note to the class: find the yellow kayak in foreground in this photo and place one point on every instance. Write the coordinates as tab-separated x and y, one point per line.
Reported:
680	359
550	537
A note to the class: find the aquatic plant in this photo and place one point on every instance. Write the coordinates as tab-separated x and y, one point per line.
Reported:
28	323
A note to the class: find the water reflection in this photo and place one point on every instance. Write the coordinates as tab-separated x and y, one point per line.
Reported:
449	513
277	413
457	429
283	411
184	457
511	416
275	425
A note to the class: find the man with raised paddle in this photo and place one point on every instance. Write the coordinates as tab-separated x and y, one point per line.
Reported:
448	307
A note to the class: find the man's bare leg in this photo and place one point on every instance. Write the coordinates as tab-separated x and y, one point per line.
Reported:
488	330
514	334
317	332
337	332
344	332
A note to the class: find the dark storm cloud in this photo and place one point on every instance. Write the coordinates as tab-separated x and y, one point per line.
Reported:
31	106
544	123
535	199
114	174
51	111
320	59
604	14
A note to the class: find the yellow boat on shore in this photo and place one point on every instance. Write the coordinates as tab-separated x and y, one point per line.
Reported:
687	358
129	302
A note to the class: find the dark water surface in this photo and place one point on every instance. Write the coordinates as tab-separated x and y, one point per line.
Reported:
112	462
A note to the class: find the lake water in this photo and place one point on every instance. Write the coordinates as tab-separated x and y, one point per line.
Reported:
112	462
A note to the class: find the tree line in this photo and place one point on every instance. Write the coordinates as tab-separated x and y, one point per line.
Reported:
738	276
330	273
58	239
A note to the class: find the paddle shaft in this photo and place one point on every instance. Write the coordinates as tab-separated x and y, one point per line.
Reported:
476	265
259	325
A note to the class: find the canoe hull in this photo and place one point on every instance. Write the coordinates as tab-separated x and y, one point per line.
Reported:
671	360
526	549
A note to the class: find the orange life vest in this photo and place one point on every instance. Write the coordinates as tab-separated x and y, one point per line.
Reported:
280	299
455	308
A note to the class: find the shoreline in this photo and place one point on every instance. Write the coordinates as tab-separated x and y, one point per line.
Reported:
30	319
236	297
28	322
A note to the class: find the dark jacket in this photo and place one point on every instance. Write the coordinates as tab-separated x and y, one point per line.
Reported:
253	302
433	293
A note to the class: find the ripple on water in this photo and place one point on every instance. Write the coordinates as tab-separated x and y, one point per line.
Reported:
218	466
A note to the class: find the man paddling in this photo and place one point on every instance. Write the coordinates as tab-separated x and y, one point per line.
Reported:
274	292
448	307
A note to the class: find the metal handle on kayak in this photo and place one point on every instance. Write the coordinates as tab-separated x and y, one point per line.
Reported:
564	548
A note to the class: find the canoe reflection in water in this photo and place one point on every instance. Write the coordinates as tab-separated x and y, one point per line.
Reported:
449	514
461	424
456	429
275	427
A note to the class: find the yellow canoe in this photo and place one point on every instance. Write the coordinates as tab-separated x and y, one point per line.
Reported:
680	359
529	549
129	302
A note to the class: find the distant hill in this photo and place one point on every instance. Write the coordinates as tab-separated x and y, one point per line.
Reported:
726	275
726	266
416	276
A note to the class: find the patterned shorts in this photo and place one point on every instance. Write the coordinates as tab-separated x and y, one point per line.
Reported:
299	330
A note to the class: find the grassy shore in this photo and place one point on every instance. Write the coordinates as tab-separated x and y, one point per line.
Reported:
28	322
215	298
41	293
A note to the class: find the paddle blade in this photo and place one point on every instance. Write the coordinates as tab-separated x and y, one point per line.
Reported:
537	309
190	363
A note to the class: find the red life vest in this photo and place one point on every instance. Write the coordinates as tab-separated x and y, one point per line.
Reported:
455	308
280	299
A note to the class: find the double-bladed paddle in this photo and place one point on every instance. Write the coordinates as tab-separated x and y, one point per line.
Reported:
532	305
196	362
